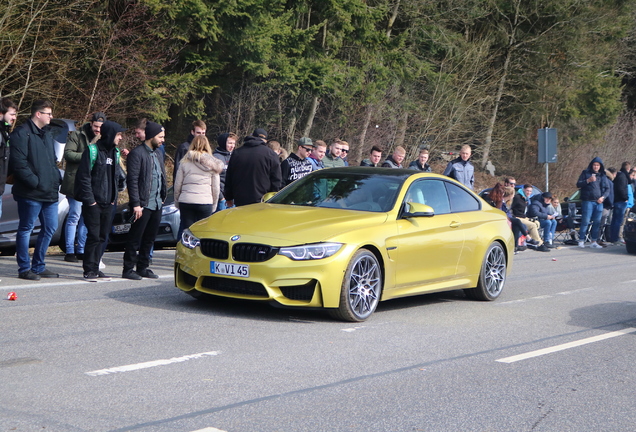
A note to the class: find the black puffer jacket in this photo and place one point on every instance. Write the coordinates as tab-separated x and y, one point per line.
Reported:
32	161
139	177
99	183
4	154
592	191
222	154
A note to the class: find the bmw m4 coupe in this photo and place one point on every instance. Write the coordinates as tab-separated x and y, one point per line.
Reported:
344	239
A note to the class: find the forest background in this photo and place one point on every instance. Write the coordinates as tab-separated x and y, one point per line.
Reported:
488	73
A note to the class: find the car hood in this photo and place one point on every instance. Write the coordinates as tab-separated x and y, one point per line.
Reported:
285	224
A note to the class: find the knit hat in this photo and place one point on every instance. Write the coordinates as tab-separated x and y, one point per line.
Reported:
546	195
260	133
153	129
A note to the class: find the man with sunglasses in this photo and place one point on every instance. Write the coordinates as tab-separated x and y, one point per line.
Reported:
297	165
35	188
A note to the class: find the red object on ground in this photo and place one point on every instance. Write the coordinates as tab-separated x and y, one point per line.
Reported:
12	296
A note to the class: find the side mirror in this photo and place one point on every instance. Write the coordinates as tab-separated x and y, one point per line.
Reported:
268	196
412	209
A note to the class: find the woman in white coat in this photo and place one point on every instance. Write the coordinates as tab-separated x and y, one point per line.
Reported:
197	185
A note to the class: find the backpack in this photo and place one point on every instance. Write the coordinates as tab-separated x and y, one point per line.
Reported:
92	150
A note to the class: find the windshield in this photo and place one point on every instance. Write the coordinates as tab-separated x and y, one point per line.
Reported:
345	190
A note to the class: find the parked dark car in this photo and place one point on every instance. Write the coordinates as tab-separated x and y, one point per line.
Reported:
9	221
168	228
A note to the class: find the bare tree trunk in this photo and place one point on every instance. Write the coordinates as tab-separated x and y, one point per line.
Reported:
312	114
389	26
99	72
363	135
291	129
28	77
493	117
401	129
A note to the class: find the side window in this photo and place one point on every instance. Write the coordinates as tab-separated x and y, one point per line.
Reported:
460	200
429	192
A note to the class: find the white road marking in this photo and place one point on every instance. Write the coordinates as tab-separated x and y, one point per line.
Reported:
565	346
349	330
69	282
543	297
209	429
164	362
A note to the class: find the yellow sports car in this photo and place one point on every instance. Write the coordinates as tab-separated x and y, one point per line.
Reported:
346	238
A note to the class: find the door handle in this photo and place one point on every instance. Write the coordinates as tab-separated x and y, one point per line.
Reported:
455	224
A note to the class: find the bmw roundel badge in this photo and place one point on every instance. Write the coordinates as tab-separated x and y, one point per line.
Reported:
235	238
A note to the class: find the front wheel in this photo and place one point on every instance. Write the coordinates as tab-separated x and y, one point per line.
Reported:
492	276
361	288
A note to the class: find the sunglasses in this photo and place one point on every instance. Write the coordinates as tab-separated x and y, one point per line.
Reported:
308	148
345	150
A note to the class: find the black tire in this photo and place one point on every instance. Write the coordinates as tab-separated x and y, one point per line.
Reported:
361	288
631	247
10	251
62	241
492	276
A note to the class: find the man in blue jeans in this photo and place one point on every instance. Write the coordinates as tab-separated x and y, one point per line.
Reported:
35	188
621	195
540	209
594	186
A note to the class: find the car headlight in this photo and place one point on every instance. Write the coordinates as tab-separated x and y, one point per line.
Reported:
314	251
189	240
168	210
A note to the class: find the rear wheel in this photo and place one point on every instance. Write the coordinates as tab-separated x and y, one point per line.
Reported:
631	247
361	288
492	276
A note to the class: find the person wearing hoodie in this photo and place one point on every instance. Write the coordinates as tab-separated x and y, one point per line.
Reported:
226	142
96	188
197	184
540	209
621	196
253	170
198	128
594	190
76	144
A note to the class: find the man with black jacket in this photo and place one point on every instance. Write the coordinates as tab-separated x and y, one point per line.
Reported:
146	180
8	114
96	189
519	208
253	170
35	188
621	195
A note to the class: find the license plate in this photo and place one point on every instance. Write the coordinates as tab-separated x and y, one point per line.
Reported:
228	269
121	229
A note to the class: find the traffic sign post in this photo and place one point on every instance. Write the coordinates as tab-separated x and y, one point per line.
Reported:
547	153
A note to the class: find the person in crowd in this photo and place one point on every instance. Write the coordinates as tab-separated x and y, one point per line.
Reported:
76	143
198	128
96	187
375	156
197	184
333	158
146	180
461	169
278	149
8	115
608	207
297	165
317	154
140	130
344	152
395	160
254	170
540	209
421	163
35	188
555	206
518	228
510	182
594	191
519	209
621	196
225	144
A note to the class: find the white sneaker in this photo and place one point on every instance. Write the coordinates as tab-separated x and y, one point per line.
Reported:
102	266
581	244
595	245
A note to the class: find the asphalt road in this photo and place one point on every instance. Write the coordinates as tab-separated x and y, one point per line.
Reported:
555	352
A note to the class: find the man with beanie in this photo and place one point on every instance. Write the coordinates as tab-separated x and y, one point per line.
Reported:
8	114
35	188
297	165
594	190
146	182
254	170
77	142
226	142
198	128
96	189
